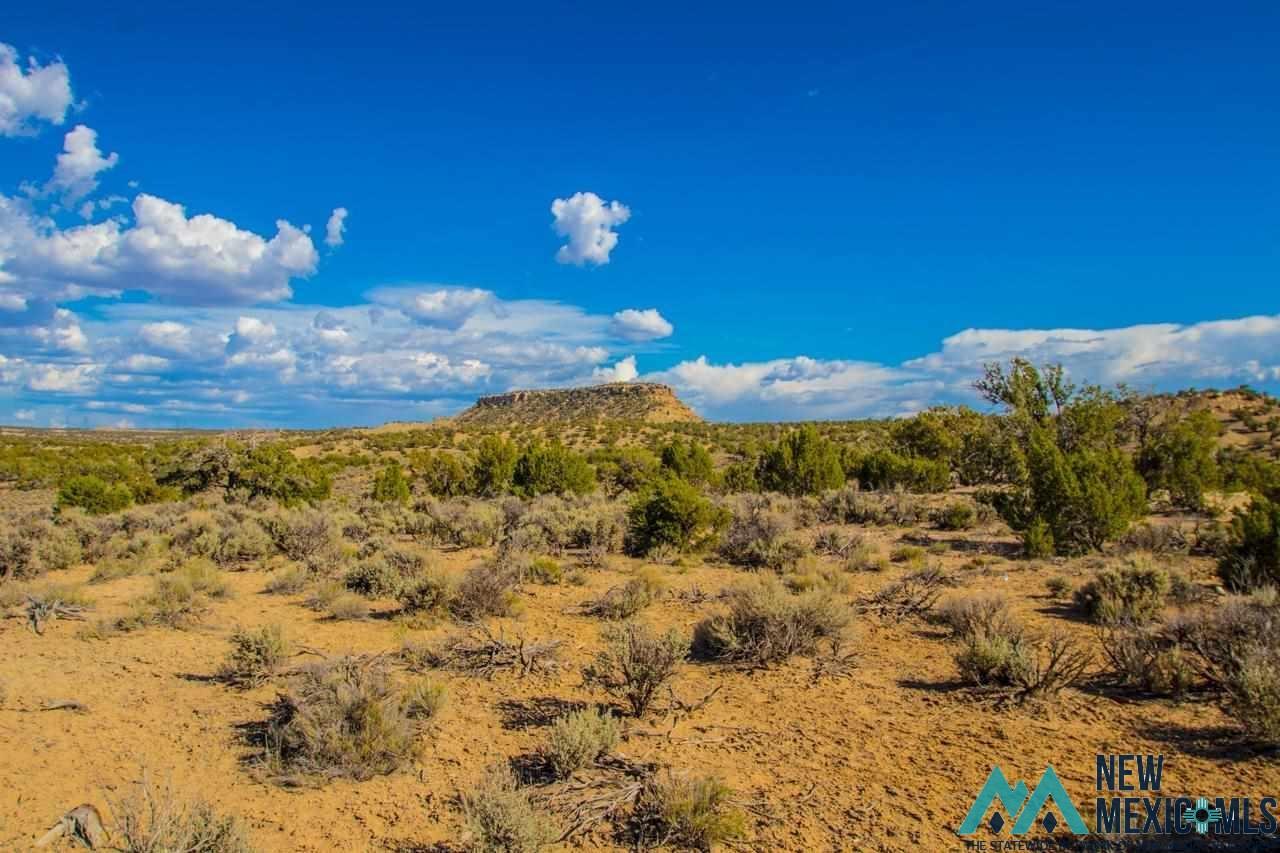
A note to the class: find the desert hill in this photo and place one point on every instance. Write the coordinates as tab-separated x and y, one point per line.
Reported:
649	402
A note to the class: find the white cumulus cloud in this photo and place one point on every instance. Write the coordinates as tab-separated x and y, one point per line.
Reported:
587	222
40	93
336	227
200	259
78	167
646	325
624	370
166	335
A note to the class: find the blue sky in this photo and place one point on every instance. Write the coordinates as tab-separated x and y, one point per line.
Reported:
820	210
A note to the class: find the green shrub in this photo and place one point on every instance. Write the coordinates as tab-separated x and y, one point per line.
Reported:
764	624
955	517
907	554
674	514
272	471
501	819
1135	592
635	663
339	718
390	486
288	581
802	462
375	577
443	474
93	495
885	470
173	601
1252	556
689	461
579	738
552	469
1065	464
1180	454
1037	540
59	549
495	463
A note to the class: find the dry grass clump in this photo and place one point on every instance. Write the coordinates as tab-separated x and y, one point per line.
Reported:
684	812
255	656
970	614
501	819
578	739
1002	654
228	538
424	698
628	599
1157	659
348	607
1134	592
545	570
911	554
760	536
287	581
1238	649
811	573
1057	586
387	573
485	590
323	595
152	819
765	625
466	523
32	546
862	557
428	595
178	599
339	718
1253	695
308	536
635	663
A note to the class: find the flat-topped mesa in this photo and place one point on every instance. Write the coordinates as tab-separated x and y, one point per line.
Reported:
643	401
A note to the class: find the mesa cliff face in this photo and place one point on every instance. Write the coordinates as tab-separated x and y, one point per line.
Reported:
642	401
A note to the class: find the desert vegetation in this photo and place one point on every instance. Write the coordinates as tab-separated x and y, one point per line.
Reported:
511	635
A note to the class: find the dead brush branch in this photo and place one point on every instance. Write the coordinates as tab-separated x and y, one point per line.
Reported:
43	610
909	596
480	652
608	790
1059	662
835	663
82	824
